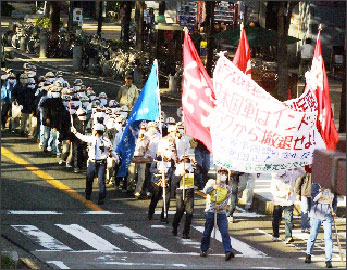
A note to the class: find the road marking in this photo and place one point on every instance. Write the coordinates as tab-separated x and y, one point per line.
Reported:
241	247
100	213
49	179
60	264
134	237
149	264
88	237
24	212
171	212
158	226
40	237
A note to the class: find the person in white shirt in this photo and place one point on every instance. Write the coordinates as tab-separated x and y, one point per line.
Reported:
306	55
282	189
99	149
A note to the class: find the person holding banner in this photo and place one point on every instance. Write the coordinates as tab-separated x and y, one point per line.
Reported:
99	149
164	164
184	168
223	191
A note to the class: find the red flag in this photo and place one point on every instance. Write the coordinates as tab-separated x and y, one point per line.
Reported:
325	120
242	58
198	97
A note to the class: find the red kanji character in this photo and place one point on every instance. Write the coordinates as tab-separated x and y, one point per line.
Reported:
264	121
250	110
285	143
269	138
233	104
242	129
251	132
297	140
303	121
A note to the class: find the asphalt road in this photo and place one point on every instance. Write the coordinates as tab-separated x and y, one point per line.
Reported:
44	212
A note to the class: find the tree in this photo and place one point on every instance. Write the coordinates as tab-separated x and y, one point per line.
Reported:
140	27
98	32
54	14
127	19
210	40
278	17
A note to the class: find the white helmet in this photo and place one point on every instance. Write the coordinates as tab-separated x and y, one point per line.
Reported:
81	113
49	75
102	95
170	120
124	108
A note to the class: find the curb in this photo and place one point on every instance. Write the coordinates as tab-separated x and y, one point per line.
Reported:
18	262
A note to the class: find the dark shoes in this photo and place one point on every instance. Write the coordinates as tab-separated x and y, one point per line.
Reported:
229	255
174	231
150	216
164	220
328	264
185	236
100	201
203	254
308	258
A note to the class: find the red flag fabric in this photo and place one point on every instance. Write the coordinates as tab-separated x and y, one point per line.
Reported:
197	97
325	120
242	58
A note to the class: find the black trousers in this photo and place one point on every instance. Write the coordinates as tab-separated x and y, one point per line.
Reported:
186	205
6	107
157	193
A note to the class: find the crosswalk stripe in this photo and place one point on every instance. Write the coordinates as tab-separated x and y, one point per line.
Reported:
25	212
134	237
40	237
88	237
60	264
239	246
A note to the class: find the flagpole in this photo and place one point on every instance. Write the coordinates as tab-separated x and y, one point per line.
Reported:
184	158
161	137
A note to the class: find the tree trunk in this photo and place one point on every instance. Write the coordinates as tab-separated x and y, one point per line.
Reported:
342	118
99	19
140	27
210	40
127	20
160	33
71	7
54	14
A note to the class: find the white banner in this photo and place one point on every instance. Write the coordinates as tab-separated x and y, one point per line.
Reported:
253	132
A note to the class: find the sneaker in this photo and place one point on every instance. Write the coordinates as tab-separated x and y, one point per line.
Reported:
150	216
61	162
40	146
137	194
185	236
289	240
49	149
100	201
75	170
328	264
164	220
68	165
230	219
275	239
203	254
308	258
174	231
148	194
229	256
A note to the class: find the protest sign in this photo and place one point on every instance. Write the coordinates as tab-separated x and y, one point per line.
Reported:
253	132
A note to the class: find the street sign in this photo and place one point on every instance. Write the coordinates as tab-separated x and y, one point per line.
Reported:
78	16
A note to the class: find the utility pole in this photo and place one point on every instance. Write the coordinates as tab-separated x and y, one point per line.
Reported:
140	27
342	118
210	40
99	19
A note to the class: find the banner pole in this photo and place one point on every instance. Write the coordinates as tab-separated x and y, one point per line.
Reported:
337	237
161	137
71	113
184	159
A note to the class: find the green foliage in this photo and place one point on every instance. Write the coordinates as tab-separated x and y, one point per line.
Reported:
113	6
42	22
7	262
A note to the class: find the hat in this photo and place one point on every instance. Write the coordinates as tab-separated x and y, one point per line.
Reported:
128	75
170	120
124	108
11	75
31	74
222	170
81	111
49	75
99	127
4	77
31	81
78	82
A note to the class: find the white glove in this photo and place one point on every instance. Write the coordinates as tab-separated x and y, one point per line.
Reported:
21	107
73	130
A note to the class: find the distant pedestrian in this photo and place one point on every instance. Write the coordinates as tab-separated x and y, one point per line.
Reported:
128	93
303	194
223	194
324	205
306	55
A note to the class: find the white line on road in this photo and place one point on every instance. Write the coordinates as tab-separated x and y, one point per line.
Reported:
88	237
60	264
158	226
170	212
100	213
242	247
134	237
40	237
24	212
149	264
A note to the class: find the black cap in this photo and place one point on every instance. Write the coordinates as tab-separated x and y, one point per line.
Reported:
128	75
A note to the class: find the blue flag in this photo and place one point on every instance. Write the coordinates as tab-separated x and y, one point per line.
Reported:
145	108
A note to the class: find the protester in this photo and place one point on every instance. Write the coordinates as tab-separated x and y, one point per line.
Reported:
303	194
282	189
202	157
184	169
99	148
324	205
8	83
234	183
223	194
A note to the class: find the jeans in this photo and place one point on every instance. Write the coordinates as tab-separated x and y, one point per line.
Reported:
305	206
93	170
186	205
223	228
288	220
328	237
42	134
203	160
46	134
233	197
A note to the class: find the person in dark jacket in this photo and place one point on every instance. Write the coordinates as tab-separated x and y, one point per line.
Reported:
202	157
303	194
27	101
